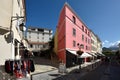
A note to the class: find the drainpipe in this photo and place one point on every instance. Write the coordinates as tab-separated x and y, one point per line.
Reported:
12	33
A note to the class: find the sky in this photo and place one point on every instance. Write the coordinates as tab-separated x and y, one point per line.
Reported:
101	16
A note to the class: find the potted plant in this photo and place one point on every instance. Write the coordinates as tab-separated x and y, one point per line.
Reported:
79	52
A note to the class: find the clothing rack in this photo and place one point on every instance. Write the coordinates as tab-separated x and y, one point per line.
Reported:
20	68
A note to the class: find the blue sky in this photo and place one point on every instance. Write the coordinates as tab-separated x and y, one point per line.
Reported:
102	16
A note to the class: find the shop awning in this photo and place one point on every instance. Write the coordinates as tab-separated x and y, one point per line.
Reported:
98	54
72	51
101	54
85	55
93	54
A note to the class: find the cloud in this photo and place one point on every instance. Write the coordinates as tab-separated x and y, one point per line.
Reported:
114	44
107	43
103	43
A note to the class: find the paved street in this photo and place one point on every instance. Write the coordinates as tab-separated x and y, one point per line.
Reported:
73	74
104	72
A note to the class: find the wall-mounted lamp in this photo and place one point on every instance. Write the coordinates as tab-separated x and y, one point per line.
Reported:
22	27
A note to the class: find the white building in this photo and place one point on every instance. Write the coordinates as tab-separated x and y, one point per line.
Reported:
12	18
93	42
38	38
99	45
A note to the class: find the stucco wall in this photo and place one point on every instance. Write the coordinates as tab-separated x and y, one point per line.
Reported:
78	27
5	49
5	13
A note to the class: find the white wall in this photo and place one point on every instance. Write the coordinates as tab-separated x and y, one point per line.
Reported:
5	49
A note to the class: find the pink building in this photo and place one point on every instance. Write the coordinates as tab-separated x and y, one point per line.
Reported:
71	33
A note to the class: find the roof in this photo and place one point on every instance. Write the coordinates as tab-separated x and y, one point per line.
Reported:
30	42
31	27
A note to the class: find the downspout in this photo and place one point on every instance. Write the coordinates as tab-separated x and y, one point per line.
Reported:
12	33
65	34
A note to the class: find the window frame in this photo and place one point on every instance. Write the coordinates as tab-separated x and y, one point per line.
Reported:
82	37
74	43
74	32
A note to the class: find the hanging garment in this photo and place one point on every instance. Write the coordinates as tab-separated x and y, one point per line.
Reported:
7	67
11	67
28	66
32	67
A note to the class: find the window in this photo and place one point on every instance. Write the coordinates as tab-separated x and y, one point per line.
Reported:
50	39
74	32
86	47
74	43
82	37
31	46
18	2
82	28
86	39
82	46
37	37
35	46
29	36
29	32
86	31
74	19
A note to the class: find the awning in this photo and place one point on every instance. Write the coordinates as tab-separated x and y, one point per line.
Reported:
85	55
72	51
93	54
101	54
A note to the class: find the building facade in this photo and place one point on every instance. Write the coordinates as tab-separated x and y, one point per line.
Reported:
72	33
12	21
99	45
38	38
94	41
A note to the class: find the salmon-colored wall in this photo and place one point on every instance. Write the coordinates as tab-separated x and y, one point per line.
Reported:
78	26
61	36
62	56
65	29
